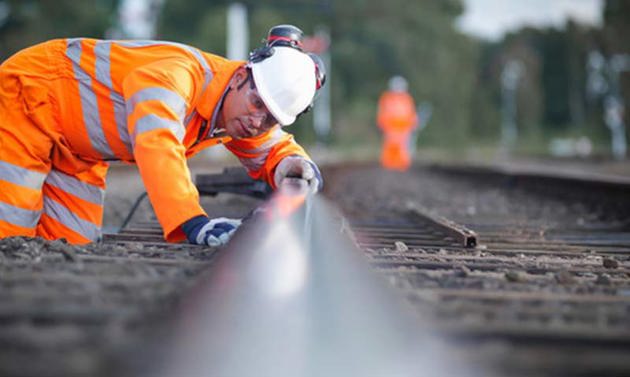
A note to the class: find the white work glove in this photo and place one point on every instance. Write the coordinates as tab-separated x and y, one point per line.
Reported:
300	168
211	232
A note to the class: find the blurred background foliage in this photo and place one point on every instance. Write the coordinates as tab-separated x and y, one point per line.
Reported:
371	41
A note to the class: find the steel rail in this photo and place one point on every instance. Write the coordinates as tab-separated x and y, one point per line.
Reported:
286	298
611	189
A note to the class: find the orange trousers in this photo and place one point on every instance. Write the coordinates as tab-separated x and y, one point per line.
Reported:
395	153
43	193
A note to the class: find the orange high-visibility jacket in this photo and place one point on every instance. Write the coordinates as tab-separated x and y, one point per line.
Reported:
92	101
396	112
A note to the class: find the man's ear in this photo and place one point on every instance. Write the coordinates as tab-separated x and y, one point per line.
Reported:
239	76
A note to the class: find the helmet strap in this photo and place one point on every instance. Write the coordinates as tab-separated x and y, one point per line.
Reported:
247	79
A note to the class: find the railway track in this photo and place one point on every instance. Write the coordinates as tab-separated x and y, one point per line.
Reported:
525	278
538	289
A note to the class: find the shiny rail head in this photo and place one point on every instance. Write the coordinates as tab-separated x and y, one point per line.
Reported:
288	199
274	305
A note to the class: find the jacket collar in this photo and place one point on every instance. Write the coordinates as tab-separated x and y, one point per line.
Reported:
212	97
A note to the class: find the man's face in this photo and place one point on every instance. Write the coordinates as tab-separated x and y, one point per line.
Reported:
244	114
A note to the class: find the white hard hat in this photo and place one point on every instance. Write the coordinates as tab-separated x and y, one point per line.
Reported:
286	82
398	84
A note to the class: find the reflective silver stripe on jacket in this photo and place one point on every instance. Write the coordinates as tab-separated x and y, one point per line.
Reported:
171	98
71	185
21	176
62	214
102	50
151	122
276	135
195	52
19	216
254	163
261	152
89	105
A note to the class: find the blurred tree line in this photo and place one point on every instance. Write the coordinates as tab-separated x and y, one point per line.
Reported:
371	41
553	96
27	22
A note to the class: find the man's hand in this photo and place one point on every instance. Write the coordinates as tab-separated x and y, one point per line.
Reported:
201	230
301	168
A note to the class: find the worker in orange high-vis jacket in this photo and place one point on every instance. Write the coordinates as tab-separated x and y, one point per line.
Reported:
69	106
397	118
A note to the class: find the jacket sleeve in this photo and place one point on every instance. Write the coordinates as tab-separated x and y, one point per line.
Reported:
261	154
157	98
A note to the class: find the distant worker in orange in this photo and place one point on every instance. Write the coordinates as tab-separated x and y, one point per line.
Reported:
70	106
397	118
